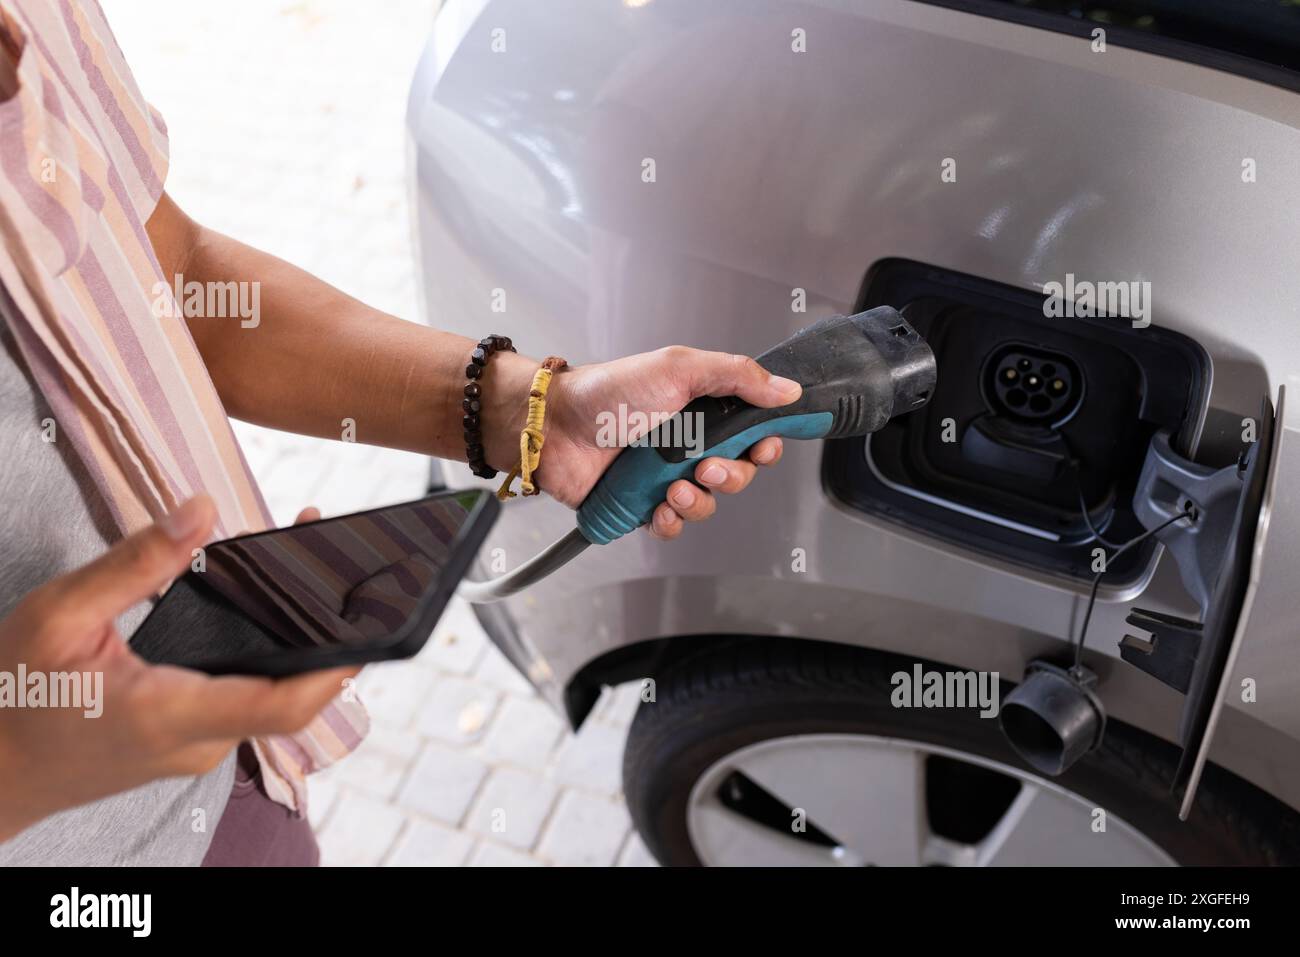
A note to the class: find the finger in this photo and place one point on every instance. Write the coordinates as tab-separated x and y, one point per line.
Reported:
665	523
137	567
241	707
722	373
766	451
289	705
691	502
309	514
725	475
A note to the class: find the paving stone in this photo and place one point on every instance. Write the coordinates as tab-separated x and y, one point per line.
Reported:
359	831
593	758
429	845
523	733
496	670
380	763
442	783
635	853
494	855
458	643
618	705
511	807
585	830
351	481
394	691
457	710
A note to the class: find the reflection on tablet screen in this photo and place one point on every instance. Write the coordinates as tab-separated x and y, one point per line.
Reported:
358	579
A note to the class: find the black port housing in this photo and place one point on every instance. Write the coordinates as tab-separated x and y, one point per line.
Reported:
998	462
1026	384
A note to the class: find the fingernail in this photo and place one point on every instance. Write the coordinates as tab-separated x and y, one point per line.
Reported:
764	455
786	387
664	519
713	475
684	496
182	523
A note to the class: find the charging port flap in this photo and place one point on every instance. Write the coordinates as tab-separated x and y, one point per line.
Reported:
1218	547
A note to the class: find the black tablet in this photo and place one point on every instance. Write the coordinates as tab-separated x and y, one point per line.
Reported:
339	591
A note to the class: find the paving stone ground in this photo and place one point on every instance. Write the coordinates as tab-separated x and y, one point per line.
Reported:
286	122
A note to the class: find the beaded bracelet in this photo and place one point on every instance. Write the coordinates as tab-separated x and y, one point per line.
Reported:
473	402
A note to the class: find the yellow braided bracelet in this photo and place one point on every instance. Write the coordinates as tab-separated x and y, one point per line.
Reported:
532	436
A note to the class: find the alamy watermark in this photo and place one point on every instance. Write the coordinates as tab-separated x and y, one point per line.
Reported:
1084	299
53	689
129	911
946	689
208	300
660	430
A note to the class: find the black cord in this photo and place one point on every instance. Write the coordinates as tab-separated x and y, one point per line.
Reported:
1087	519
1120	549
1076	470
1096	579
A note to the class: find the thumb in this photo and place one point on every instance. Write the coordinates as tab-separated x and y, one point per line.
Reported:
309	514
138	566
722	373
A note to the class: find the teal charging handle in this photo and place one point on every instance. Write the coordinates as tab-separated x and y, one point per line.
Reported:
857	373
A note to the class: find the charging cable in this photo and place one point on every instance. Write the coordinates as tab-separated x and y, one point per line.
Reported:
1096	579
554	556
1119	548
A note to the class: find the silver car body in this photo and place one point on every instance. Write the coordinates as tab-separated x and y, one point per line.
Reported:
777	170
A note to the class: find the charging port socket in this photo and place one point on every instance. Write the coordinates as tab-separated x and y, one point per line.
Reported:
1033	419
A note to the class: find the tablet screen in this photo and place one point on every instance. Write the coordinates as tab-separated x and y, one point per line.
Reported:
366	582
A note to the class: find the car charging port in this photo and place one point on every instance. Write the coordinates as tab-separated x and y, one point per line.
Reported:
1031	384
1036	431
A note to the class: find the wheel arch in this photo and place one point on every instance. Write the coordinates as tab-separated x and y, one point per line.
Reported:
637	660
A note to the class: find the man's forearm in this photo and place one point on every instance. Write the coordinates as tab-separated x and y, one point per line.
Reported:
317	357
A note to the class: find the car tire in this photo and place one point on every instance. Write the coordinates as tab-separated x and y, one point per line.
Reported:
737	693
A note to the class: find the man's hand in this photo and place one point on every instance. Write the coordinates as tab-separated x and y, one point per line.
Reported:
657	384
157	721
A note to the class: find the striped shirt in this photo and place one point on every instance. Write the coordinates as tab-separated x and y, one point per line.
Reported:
83	158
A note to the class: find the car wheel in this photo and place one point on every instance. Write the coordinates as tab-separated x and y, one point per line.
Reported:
782	752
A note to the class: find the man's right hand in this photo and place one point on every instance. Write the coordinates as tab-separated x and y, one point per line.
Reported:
157	720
